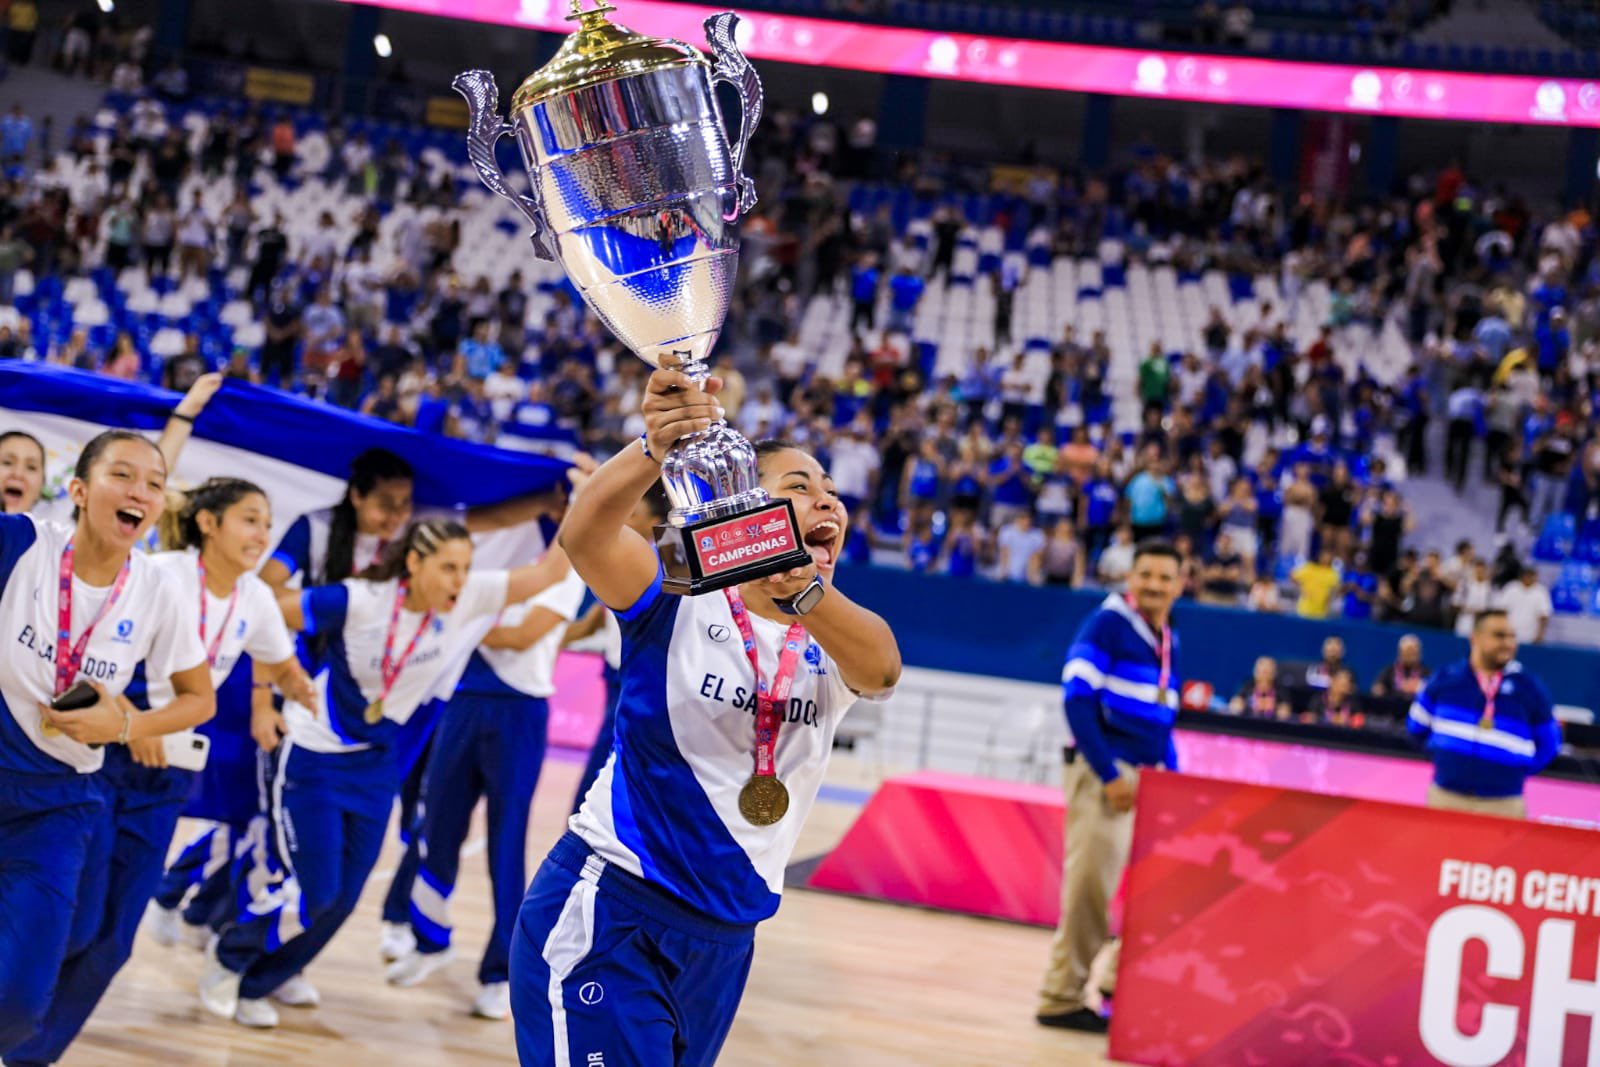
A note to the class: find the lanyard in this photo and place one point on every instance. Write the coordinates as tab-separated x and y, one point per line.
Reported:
390	669
216	641
1166	654
1490	684
69	656
768	700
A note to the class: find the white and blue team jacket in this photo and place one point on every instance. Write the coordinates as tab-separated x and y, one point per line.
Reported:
666	805
354	615
151	622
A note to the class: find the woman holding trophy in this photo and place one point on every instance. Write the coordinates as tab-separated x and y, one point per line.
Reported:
637	934
738	654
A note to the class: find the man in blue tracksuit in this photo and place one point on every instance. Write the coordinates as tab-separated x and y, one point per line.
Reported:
1487	723
1120	685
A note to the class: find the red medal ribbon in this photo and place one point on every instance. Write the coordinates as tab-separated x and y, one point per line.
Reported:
768	701
1490	684
1166	651
69	656
388	669
233	599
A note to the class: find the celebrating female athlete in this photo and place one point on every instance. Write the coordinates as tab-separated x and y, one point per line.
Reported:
635	938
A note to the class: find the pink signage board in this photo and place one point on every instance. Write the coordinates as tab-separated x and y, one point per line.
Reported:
1083	68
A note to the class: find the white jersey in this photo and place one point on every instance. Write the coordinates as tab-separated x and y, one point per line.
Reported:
666	805
533	670
354	615
303	551
151	622
254	626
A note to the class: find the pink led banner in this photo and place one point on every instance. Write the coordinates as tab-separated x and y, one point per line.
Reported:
1084	68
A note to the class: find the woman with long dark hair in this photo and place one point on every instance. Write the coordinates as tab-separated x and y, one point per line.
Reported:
327	546
636	936
391	636
85	609
222	527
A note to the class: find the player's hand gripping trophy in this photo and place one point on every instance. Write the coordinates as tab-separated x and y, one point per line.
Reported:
636	193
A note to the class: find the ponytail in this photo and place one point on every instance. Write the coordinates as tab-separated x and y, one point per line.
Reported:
424	538
366	471
180	523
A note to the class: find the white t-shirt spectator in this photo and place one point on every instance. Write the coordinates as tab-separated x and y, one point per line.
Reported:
854	461
1471	597
195	230
1018	547
1115	563
757	413
790	360
503	389
1526	606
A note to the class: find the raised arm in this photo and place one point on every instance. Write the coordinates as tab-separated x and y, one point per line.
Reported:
524	509
617	564
180	424
529	581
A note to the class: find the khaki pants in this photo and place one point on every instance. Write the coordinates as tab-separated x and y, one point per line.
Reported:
1507	807
1098	842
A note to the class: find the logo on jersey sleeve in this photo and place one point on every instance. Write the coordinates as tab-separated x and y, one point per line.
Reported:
717	632
243	624
124	634
814	662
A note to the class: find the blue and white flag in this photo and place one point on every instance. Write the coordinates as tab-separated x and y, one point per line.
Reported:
298	450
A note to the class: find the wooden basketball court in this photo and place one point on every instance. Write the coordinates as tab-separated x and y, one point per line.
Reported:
837	982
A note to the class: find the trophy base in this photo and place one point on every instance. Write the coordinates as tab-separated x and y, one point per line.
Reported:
712	554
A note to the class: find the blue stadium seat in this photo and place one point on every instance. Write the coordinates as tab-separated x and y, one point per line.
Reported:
1556	539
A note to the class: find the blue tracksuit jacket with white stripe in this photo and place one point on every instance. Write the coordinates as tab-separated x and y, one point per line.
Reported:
1491	761
1110	687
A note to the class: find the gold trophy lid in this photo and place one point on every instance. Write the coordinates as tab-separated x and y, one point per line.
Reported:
600	51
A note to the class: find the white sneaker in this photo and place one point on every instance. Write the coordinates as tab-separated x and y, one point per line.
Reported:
493	1001
414	967
297	993
398	941
165	925
219	988
257	1014
198	938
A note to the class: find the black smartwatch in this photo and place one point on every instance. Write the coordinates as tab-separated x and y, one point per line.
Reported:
805	601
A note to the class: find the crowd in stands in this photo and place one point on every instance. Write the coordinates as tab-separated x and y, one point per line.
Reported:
1278	468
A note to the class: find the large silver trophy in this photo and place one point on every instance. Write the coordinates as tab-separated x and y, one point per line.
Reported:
636	193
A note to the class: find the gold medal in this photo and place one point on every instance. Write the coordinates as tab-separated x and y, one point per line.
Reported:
1487	722
374	712
764	800
48	728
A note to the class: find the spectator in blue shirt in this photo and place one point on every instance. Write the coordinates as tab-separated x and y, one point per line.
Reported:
864	294
1487	723
1554	341
16	131
905	292
1150	494
480	355
1009	491
1120	686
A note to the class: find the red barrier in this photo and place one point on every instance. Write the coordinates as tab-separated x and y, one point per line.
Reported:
1270	926
955	843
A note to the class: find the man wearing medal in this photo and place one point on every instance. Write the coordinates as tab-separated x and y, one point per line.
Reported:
1487	724
1120	687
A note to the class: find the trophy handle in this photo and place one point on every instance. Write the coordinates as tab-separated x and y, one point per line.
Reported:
484	130
732	67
